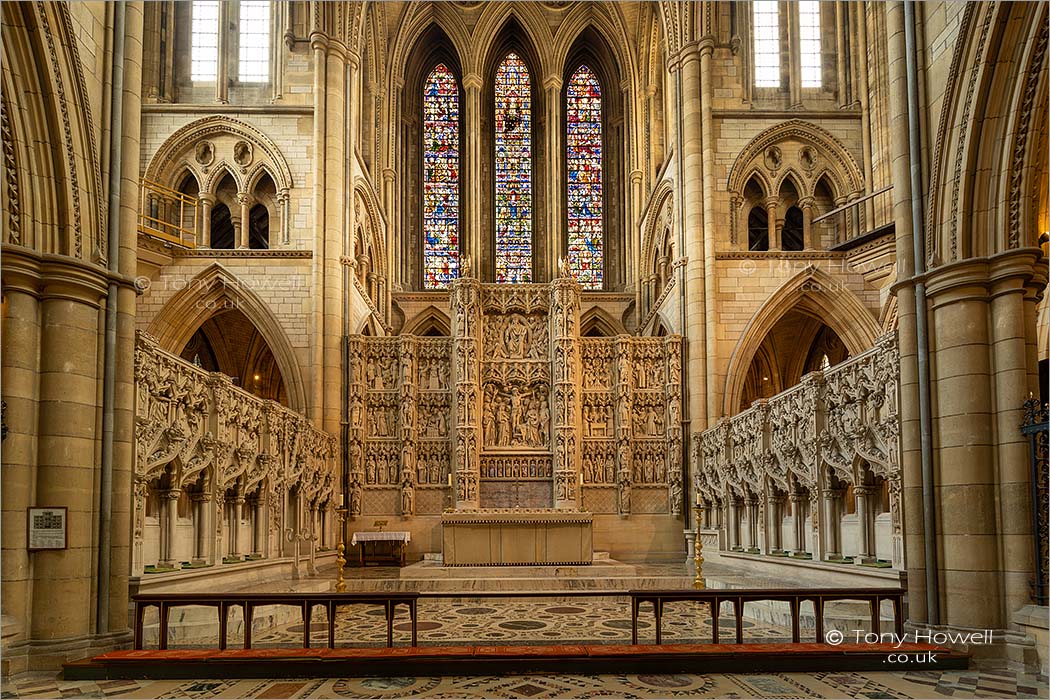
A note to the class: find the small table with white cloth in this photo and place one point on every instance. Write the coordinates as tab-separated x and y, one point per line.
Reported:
392	552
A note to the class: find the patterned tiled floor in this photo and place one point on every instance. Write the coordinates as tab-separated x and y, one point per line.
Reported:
496	621
955	684
547	620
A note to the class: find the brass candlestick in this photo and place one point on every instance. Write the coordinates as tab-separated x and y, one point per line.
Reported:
340	549
698	549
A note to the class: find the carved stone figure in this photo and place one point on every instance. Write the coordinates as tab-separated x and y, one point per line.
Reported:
408	498
204	152
242	153
516	337
624	493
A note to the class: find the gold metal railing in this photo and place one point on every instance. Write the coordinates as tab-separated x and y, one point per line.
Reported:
859	217
168	215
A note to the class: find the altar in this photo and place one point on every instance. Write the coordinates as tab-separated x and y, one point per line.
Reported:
505	537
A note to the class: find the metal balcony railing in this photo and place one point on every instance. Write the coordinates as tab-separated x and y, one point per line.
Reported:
861	218
168	215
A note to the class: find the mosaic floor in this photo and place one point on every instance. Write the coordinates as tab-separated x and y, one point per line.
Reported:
547	620
503	621
948	684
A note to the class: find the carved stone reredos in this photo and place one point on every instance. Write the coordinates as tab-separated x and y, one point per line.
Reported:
517	397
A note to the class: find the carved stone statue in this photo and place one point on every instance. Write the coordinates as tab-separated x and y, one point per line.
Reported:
624	493
408	498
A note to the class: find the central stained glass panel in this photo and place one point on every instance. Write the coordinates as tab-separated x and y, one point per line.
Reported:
440	178
583	140
513	172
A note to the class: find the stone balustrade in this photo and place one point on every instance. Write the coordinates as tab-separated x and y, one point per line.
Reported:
220	474
813	472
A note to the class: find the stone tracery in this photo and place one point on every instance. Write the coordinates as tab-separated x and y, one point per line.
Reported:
534	413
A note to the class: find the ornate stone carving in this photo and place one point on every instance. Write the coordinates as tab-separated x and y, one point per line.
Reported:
195	429
840	418
515	395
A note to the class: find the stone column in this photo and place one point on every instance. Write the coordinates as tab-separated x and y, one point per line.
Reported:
20	363
244	230
255	511
565	379
66	438
811	238
1012	279
235	525
771	214
222	70
832	524
465	299
169	521
692	227
798	522
472	227
201	528
752	521
207	201
865	524
622	422
283	200
555	157
773	522
734	523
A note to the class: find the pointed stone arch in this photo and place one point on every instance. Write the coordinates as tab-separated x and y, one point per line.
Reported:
597	322
811	291
214	289
984	179
179	150
430	321
490	31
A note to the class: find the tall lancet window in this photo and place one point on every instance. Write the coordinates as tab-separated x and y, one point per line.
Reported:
204	48
809	42
766	28
583	141
440	178
513	172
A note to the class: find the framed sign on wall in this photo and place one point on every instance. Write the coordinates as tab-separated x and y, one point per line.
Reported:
48	528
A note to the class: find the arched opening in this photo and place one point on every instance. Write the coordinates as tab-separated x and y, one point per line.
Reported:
791	228
758	228
261	214
792	235
229	342
259	228
797	344
823	202
223	223
223	233
188	217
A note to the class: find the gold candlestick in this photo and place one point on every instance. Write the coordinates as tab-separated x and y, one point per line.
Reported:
340	549
698	550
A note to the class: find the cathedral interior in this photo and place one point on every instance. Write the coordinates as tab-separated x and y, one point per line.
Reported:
626	293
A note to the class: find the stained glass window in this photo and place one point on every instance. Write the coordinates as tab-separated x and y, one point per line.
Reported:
440	178
513	172
583	141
